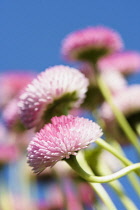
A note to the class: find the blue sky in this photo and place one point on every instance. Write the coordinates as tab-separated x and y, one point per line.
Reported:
31	31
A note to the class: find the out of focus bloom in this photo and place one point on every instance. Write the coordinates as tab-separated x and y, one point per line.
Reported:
128	101
65	136
56	90
124	62
11	118
87	195
91	43
12	84
8	153
52	191
114	80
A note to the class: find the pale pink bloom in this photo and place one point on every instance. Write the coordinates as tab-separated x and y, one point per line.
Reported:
12	84
114	80
56	89
125	62
65	136
10	113
90	43
128	102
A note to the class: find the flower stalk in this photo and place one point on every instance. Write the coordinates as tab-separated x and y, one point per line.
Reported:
118	114
118	188
100	179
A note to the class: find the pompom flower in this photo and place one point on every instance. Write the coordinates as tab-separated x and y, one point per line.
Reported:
55	90
60	139
91	43
128	101
124	62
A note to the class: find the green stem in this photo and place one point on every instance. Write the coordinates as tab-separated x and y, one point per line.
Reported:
127	202
132	177
118	114
98	188
103	179
115	152
138	129
118	189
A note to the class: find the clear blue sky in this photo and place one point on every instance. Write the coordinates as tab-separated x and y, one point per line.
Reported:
31	31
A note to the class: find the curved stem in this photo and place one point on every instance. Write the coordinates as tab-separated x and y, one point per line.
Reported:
98	188
118	114
103	179
132	177
115	152
118	188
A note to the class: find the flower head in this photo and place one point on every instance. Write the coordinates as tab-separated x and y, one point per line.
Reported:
91	43
124	62
55	90
60	139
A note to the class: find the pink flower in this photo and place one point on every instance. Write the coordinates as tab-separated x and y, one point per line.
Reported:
124	62
55	90
10	113
87	195
60	139
12	84
8	153
115	81
91	43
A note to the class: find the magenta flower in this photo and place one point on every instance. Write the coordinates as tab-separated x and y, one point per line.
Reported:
124	62
8	153
86	194
60	139
91	43
55	90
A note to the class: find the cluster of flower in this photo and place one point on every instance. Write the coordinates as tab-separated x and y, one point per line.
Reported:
49	105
